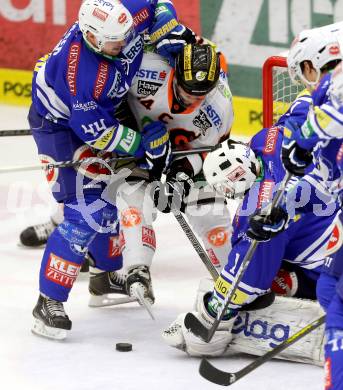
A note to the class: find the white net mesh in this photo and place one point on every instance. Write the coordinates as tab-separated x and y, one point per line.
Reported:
284	91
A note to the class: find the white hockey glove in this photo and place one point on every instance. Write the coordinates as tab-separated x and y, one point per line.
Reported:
178	336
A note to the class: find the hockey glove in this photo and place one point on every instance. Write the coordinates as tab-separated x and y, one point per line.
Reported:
171	45
296	151
156	145
172	194
264	226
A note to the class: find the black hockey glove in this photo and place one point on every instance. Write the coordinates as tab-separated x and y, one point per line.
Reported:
294	157
171	195
263	227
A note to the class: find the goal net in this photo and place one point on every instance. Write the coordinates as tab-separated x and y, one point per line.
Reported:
278	89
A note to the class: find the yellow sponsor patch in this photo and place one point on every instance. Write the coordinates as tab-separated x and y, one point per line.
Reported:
159	141
163	30
187	64
102	142
223	287
213	66
323	118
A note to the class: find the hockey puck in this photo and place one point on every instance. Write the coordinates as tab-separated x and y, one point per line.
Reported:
124	347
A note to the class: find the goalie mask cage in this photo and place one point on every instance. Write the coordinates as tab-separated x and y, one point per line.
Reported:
278	90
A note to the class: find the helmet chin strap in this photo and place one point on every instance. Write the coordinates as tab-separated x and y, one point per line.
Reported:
311	83
177	95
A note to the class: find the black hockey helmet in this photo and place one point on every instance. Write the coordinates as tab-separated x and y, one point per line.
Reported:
197	69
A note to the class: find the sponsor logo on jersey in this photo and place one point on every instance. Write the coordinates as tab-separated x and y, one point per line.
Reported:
129	140
50	173
275	333
213	257
148	237
265	193
271	139
147	88
340	154
222	287
140	17
218	236
335	240
112	93
213	116
116	245
131	217
73	62
88	106
328	375
61	271
100	14
133	50
201	121
101	79
164	30
152	74
160	9
224	90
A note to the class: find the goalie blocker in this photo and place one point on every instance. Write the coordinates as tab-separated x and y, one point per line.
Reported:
257	332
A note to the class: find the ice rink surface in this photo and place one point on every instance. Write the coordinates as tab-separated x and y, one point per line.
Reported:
87	359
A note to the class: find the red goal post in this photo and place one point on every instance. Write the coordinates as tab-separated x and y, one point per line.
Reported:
278	91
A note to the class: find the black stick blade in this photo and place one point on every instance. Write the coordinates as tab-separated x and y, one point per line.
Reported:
196	327
215	375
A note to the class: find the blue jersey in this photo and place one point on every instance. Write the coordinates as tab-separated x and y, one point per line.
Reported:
80	89
304	242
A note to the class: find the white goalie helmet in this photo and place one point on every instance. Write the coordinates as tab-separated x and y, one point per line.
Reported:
231	169
320	46
107	20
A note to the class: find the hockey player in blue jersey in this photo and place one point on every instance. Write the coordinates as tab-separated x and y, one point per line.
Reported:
233	170
75	92
321	132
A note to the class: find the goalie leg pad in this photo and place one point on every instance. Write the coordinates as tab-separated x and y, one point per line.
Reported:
257	332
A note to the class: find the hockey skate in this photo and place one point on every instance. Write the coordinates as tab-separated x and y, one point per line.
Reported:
103	285
138	284
36	235
50	319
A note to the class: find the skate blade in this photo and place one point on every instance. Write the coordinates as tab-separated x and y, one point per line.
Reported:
42	330
105	300
137	291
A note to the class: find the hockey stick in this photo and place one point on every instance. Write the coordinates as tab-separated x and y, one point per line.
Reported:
214	375
192	323
11	133
196	244
89	160
259	303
